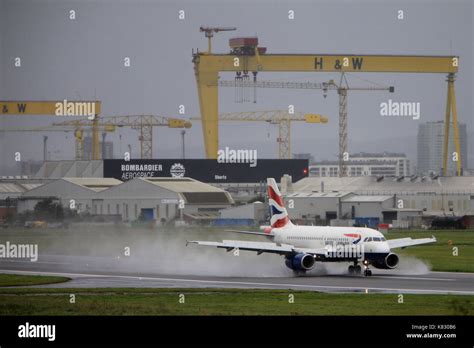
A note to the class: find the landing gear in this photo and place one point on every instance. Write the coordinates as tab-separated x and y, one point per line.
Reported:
356	269
299	273
367	271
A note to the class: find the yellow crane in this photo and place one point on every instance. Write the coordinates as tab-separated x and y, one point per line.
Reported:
143	123
248	58
78	135
58	108
281	118
342	88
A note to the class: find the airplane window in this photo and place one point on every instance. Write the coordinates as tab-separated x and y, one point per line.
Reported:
369	239
376	239
366	239
383	239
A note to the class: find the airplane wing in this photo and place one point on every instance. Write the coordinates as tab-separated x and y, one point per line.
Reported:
260	247
250	232
406	242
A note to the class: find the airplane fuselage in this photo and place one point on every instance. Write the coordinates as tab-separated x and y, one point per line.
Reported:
366	240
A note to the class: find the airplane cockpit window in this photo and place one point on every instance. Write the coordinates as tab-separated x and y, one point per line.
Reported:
376	239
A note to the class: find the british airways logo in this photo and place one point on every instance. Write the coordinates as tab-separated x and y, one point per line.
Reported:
357	237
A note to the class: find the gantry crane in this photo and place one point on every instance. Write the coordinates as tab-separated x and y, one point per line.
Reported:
281	118
341	89
143	123
50	108
207	67
209	33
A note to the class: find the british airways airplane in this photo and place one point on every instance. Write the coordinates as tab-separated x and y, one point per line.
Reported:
303	246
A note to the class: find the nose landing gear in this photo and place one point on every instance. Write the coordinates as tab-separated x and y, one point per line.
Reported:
367	271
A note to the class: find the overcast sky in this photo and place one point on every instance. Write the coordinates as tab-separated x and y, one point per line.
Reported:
83	59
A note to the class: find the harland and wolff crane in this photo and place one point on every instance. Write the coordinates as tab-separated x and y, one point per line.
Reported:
282	118
143	123
249	58
341	89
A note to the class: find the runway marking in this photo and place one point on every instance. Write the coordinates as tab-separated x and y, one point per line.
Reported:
36	262
248	283
414	278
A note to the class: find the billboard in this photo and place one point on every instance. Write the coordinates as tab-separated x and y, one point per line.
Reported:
206	170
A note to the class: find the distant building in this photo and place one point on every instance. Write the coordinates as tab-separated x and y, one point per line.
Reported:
307	156
365	164
30	167
430	148
108	151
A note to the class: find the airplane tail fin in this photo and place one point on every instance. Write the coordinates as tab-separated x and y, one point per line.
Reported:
278	214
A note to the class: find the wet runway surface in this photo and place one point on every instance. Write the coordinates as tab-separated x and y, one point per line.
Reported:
104	273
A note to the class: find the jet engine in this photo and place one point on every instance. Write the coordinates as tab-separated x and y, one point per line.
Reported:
389	262
300	262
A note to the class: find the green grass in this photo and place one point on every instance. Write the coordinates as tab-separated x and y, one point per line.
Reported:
22	280
440	255
223	302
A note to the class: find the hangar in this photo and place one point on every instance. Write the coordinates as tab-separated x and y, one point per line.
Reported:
81	190
163	199
402	201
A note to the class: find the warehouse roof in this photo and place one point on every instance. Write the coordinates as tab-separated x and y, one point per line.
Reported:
369	185
367	198
94	184
181	185
10	187
193	191
318	194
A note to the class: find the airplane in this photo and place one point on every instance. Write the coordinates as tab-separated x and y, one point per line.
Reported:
303	246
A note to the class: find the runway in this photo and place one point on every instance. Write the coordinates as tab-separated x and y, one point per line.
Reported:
103	273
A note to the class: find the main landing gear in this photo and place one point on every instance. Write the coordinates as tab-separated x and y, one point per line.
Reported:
357	269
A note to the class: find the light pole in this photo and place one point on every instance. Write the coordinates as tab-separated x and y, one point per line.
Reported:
183	132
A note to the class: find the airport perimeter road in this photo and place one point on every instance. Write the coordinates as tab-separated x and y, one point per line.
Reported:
102	275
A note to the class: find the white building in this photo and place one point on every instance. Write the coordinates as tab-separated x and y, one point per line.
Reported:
315	206
442	195
365	164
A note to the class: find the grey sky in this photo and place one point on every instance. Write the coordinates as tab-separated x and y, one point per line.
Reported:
83	59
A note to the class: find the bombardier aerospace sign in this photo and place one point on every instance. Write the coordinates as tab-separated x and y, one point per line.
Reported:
206	170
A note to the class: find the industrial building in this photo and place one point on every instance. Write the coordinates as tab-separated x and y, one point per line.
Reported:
365	164
246	214
430	148
162	199
403	201
80	190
